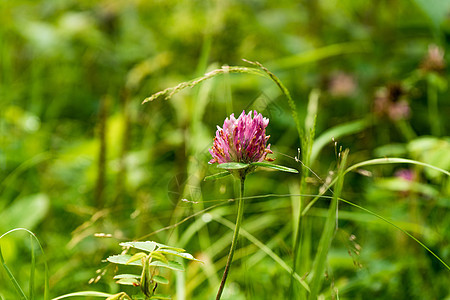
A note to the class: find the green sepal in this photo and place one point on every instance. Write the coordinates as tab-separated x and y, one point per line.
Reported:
232	166
216	176
160	279
275	167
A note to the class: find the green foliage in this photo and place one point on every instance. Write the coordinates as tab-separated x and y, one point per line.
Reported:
150	261
84	165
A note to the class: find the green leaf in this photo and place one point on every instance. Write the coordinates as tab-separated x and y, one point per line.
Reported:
35	207
183	255
122	259
119	296
123	276
232	166
135	257
216	176
162	246
146	246
173	265
158	256
128	281
160	279
275	167
161	297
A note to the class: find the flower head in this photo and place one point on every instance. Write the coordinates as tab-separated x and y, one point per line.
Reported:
434	61
241	140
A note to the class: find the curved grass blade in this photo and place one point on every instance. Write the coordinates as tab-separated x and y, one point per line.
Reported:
12	278
216	176
399	228
46	277
274	167
232	166
376	161
394	160
84	294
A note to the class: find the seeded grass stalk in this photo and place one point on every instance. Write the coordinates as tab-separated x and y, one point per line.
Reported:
328	231
336	133
235	237
32	270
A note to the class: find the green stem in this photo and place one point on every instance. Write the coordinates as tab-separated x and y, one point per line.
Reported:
235	238
433	110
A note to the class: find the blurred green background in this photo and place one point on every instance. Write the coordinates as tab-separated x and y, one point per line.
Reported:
80	155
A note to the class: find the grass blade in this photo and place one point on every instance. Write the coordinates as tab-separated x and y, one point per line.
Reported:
12	278
46	277
84	294
216	176
394	160
327	234
399	228
32	270
275	167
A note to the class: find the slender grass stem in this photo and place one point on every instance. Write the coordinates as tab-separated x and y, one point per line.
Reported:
235	238
433	110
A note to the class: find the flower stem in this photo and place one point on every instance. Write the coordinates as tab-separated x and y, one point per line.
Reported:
235	238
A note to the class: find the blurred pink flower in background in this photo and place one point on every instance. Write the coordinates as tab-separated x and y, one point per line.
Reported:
342	85
390	101
434	61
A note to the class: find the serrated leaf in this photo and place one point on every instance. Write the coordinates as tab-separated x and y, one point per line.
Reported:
128	281
216	176
123	276
122	259
232	166
158	256
183	255
146	246
135	257
173	265
160	279
275	167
